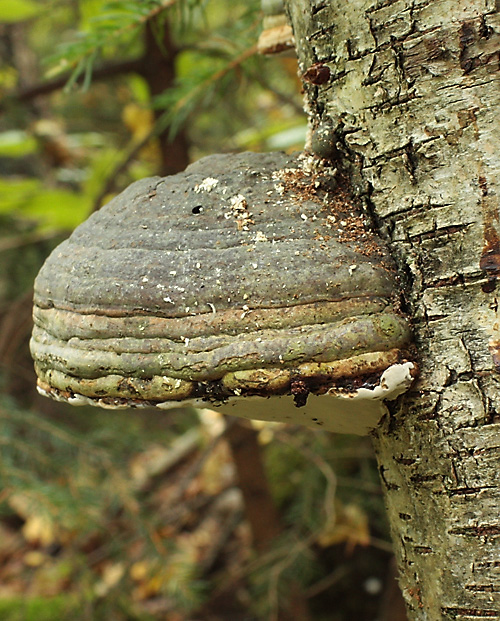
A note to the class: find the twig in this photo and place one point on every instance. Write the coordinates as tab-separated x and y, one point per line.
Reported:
25	239
194	469
122	166
327	581
145	18
283	98
45	88
220	521
326	470
248	53
180	448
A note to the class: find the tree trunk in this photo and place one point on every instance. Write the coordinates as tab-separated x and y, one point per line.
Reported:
158	69
410	105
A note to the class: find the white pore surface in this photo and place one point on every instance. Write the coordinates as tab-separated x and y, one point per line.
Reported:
341	411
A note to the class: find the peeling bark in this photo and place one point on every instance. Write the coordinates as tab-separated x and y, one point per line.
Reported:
411	106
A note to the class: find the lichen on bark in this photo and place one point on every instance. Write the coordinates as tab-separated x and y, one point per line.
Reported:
413	102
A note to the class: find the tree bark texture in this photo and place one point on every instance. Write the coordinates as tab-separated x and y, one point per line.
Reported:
410	98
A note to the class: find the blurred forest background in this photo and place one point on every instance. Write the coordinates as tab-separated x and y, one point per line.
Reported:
140	515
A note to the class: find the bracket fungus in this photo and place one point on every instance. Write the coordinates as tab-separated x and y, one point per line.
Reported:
248	284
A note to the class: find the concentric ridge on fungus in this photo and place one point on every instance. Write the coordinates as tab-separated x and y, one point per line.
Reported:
243	276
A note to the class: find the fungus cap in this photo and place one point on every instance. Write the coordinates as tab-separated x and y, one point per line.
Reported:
246	283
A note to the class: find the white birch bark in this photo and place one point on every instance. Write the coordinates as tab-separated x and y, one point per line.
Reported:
414	98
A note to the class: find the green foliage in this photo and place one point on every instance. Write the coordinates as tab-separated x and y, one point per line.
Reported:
61	607
105	27
30	199
16	143
18	11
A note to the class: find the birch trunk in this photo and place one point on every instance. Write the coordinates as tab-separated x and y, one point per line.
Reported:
412	108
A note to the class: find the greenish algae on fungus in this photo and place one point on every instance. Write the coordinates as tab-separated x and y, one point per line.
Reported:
246	284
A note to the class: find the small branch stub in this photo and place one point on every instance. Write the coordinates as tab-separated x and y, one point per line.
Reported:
317	74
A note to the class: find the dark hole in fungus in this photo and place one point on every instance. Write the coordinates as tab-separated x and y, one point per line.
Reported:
197	209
